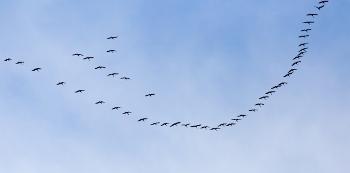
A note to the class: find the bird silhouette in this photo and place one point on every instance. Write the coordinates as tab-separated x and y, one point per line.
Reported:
20	62
175	124
236	119
296	63
36	69
78	54
253	110
112	37
186	125
60	83
205	127
111	50
309	22
126	78
215	128
305	30
230	124
127	112
112	74
311	14
8	59
79	91
303	44
88	58
164	124
319	8
242	115
270	92
115	108
196	125
264	97
303	36
142	119
153	124
100	67
149	95
259	104
100	102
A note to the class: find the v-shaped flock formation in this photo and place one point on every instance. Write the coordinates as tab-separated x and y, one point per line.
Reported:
234	120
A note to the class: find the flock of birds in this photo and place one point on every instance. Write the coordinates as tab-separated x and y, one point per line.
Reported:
236	119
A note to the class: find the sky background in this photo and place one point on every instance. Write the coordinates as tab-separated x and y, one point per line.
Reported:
206	61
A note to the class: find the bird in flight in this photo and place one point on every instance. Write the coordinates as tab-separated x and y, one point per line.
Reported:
100	102
127	112
236	119
296	63
319	8
126	78
111	50
309	22
8	59
20	62
115	108
292	70
112	37
155	123
297	57
164	124
270	92
186	125
305	30
112	74
253	110
303	49
79	91
264	97
175	124
303	36
196	125
36	69
78	54
288	74
283	83
60	83
259	104
142	119
100	67
303	44
149	95
215	128
230	124
275	87
205	127
323	2
222	124
311	14
88	58
242	115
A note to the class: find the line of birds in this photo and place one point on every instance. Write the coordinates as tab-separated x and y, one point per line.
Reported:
300	54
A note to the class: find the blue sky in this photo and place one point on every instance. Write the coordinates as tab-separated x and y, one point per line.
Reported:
206	61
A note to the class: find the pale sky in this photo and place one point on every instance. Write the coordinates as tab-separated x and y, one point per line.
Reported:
206	61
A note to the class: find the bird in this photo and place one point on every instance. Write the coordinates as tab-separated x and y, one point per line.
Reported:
36	69
311	14
127	112
253	110
142	119
303	49
297	57
60	83
319	8
112	37
230	124
100	67
155	123
175	124
323	2
287	75
292	70
196	125
283	83
222	124
303	44
303	36
242	115
185	124
296	63
302	53
111	50
205	127
88	58
305	30
275	87
149	95
264	97
216	128
78	54
259	104
236	119
270	92
8	59
100	102
112	74
79	91
126	78
164	124
309	22
115	108
20	62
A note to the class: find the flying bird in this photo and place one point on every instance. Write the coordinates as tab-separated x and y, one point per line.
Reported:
275	87
270	92
242	115
175	124
305	30
149	95
111	50
311	14
264	97
296	63
112	74
100	102
303	44
309	22
112	37
115	108
185	124
253	110
230	124
205	127
196	125
79	91
36	69
303	36
78	54
297	57
153	124
288	74
88	58
216	128
127	112
319	8
60	83
20	62
142	119
323	2
292	70
236	119
283	83
259	104
164	124
126	78
8	59
222	124
100	67
303	49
